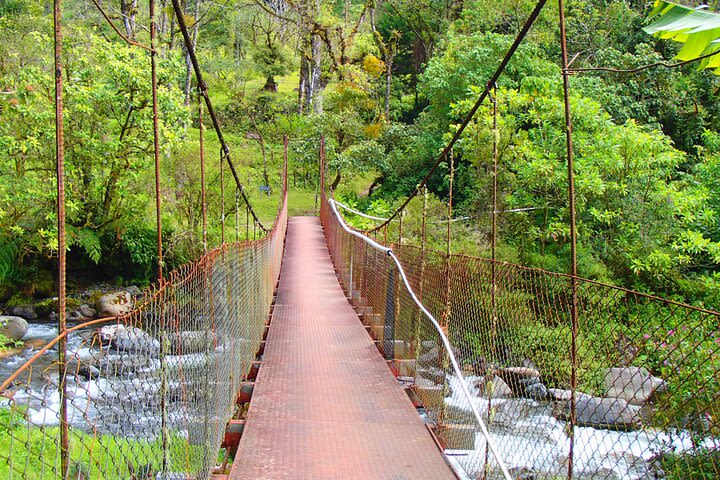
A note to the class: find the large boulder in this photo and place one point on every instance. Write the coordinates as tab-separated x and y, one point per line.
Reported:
597	412
25	311
129	339
114	304
635	385
12	327
87	311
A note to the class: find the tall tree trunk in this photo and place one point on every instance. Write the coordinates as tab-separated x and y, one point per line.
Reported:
128	8
302	83
316	94
336	180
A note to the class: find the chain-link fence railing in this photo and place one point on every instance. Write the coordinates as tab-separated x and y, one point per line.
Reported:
630	389
148	394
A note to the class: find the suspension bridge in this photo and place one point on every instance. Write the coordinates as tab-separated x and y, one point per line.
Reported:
318	351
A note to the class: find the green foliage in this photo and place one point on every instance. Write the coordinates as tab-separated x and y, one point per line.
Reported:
86	239
97	456
690	466
697	29
9	253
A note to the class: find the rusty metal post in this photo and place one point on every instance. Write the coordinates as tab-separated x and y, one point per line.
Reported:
423	247
285	163
445	319
493	269
400	222
389	325
573	234
237	214
448	239
156	136
202	174
222	197
158	212
62	301
493	272
164	430
322	168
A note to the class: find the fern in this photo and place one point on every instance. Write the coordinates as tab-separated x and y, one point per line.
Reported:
8	259
86	239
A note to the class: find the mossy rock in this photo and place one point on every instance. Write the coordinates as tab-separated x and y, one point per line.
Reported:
72	304
94	297
18	299
45	307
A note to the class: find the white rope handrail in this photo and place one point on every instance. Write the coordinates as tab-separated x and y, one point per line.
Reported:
357	212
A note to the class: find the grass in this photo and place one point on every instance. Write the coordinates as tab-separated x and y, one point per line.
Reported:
32	453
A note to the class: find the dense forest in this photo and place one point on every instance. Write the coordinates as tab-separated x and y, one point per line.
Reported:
387	83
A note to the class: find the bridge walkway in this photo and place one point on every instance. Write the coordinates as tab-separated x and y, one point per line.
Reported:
325	404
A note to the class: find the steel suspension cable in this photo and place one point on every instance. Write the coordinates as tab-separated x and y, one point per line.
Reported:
203	193
488	87
211	111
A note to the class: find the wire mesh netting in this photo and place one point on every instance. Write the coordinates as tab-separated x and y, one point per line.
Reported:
148	393
630	390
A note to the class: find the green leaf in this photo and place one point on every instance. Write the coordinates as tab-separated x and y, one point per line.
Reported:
698	29
86	239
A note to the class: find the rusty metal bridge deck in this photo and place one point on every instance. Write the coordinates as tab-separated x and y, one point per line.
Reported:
325	404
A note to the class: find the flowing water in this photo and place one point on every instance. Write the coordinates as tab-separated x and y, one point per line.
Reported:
534	444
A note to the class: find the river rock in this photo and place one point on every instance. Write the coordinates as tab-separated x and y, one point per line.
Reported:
129	339
87	311
434	374
13	327
114	304
25	311
524	473
523	381
187	342
559	394
537	391
635	385
495	388
597	412
133	291
430	358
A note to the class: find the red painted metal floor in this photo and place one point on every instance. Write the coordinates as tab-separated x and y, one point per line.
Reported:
325	404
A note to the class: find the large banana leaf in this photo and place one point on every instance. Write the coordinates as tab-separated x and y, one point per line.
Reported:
698	29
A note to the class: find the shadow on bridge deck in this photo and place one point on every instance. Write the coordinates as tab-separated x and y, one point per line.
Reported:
325	405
